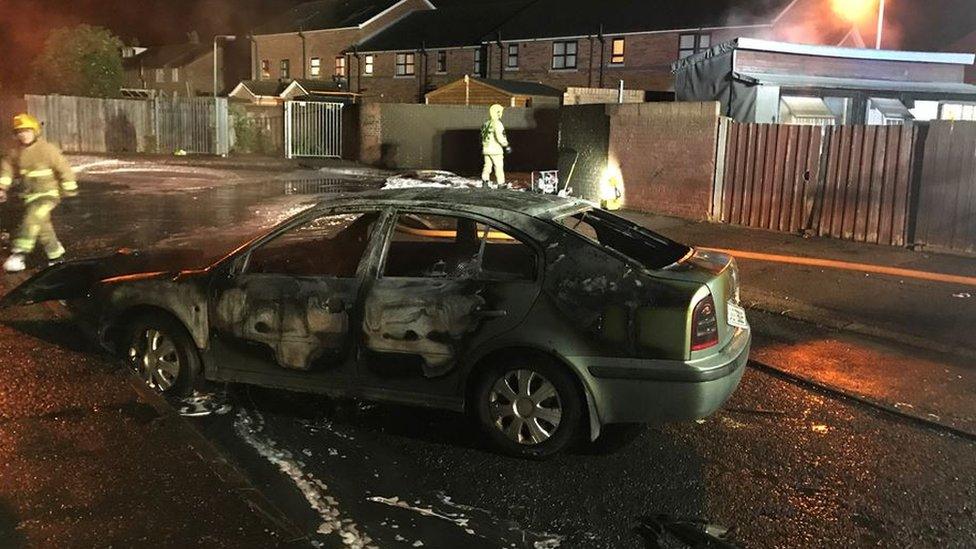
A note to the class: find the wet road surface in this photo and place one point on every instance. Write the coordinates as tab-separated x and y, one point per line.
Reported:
782	465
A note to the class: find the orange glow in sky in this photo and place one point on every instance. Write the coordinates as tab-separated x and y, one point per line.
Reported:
855	11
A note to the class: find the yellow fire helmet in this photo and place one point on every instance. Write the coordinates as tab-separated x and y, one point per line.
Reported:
26	122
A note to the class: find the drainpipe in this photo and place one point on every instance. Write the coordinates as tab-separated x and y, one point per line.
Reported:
255	68
422	78
589	72
301	34
359	70
603	53
501	56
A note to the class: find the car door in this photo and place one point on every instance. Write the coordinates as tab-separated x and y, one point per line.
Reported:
446	284
286	310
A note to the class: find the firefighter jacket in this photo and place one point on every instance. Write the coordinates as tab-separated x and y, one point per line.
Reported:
44	171
493	139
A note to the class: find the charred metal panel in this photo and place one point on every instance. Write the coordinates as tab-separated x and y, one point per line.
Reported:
303	321
429	318
185	299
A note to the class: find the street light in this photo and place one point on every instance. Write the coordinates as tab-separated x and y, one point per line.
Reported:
228	38
881	9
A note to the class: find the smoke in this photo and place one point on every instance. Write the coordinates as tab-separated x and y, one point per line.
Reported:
826	22
26	25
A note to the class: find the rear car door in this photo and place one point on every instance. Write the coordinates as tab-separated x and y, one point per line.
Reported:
287	309
447	283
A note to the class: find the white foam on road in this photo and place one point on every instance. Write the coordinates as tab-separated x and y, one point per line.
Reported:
459	520
250	426
431	179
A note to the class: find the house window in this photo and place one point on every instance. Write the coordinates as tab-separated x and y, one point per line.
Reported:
511	60
690	44
315	66
405	64
368	65
285	68
564	55
478	60
265	69
617	51
176	74
160	75
340	66
441	61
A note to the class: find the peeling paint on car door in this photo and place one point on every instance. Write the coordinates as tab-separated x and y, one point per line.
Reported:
292	305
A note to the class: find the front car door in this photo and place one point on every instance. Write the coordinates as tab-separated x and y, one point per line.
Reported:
283	315
447	283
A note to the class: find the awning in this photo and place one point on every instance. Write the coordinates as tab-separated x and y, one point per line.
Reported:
834	83
891	108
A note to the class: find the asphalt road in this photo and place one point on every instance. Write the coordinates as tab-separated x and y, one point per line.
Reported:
781	465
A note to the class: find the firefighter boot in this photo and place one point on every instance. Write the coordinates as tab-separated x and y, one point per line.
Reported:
15	263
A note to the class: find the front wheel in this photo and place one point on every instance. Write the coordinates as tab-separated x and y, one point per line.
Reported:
161	352
529	407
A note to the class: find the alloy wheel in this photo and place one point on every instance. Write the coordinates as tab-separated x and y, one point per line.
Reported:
154	358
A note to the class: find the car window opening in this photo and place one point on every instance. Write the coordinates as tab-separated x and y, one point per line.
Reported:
331	245
437	246
644	246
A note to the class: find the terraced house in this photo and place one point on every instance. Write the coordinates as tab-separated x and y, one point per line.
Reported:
399	51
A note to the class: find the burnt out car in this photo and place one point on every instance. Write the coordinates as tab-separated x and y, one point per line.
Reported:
546	318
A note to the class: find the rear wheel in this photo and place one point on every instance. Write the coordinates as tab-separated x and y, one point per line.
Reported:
161	352
529	407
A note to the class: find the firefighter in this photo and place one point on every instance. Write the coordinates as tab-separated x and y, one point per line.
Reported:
494	146
45	177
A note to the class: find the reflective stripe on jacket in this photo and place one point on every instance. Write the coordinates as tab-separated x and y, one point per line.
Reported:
44	170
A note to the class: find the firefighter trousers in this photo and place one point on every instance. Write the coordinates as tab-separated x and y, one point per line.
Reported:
496	161
37	226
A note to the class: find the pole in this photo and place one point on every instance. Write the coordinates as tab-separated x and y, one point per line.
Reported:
215	69
881	11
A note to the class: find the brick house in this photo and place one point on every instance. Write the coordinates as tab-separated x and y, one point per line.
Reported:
573	43
177	69
309	41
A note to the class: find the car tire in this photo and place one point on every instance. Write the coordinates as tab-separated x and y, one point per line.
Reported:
161	352
529	406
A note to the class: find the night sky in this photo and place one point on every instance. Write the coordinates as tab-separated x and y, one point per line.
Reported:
924	24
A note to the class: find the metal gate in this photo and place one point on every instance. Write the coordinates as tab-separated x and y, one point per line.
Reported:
313	129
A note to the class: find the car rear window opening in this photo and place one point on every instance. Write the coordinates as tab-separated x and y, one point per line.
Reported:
644	246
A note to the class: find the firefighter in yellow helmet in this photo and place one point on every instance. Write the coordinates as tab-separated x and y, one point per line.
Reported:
45	177
494	146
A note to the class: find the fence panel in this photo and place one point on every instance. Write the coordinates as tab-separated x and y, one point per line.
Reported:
83	124
769	174
850	182
946	212
313	129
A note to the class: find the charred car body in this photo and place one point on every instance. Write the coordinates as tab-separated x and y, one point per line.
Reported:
545	317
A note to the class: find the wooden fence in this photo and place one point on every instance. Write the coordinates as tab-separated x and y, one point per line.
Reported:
849	182
946	212
96	125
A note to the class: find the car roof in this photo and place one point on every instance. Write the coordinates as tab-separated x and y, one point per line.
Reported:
483	201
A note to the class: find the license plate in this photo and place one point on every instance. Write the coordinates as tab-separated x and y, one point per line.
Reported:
737	316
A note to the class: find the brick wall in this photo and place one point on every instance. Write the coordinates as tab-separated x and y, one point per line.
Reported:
666	153
385	87
324	44
195	78
449	136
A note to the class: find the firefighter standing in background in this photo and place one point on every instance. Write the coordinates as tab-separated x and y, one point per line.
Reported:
45	176
494	146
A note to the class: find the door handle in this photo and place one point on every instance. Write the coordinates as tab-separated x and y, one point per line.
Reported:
491	314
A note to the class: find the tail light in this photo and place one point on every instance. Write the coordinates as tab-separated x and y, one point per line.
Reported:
704	325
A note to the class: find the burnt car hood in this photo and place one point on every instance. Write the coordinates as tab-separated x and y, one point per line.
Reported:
75	279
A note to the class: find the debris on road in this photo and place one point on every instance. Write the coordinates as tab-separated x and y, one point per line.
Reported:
661	531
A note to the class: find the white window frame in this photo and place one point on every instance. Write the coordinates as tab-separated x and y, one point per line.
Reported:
265	68
175	74
613	51
512	52
441	61
561	51
478	62
284	69
697	47
315	67
339	67
403	61
369	64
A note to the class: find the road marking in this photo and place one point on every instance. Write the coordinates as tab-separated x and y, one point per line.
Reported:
849	266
